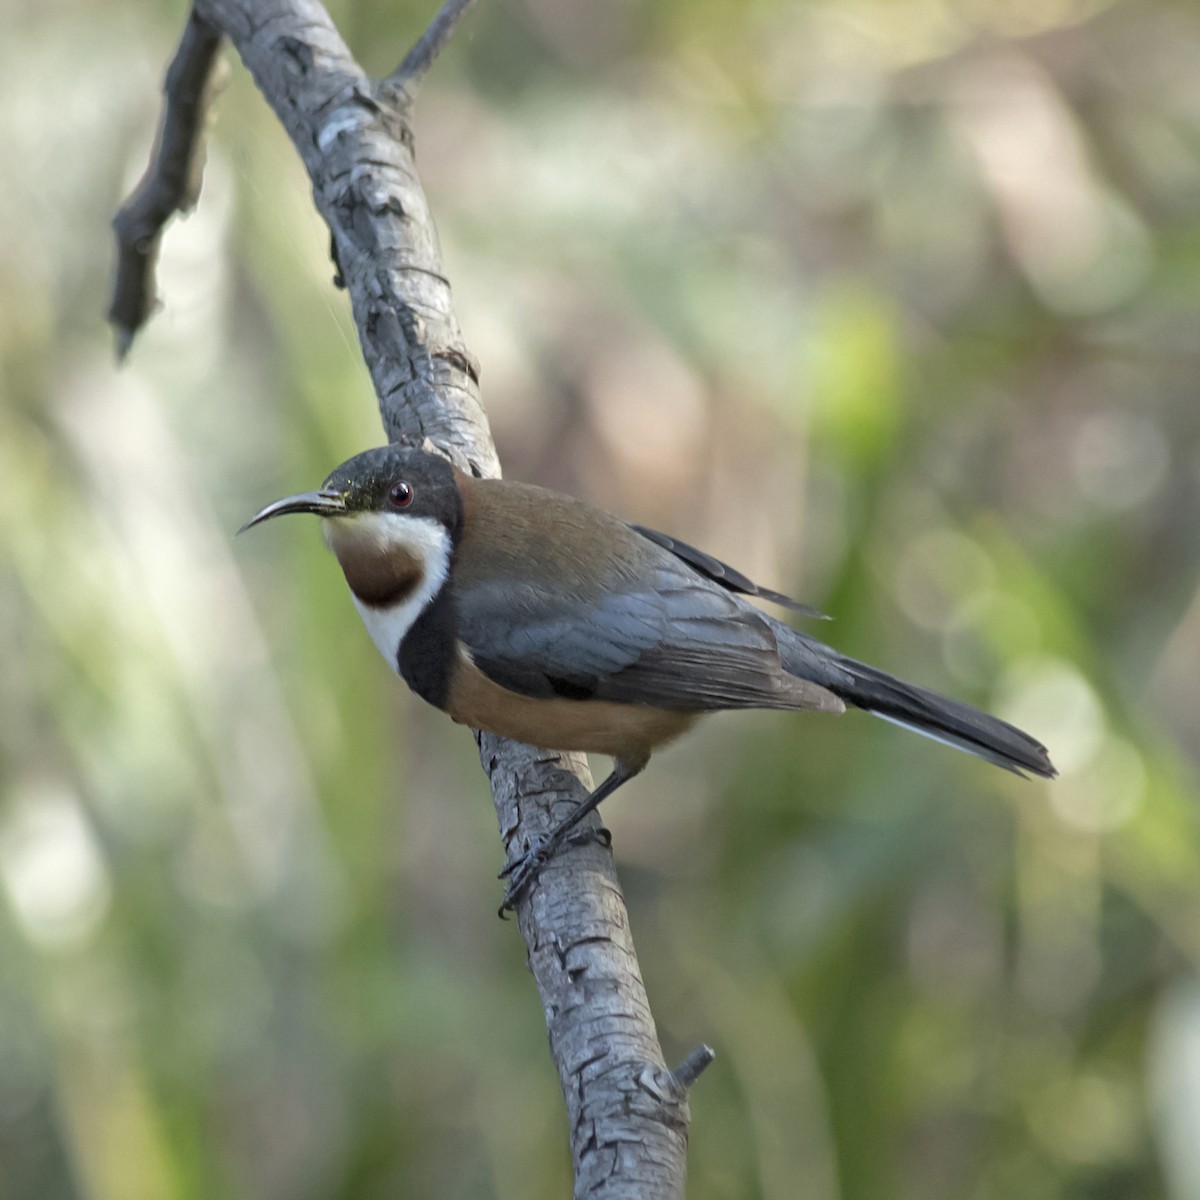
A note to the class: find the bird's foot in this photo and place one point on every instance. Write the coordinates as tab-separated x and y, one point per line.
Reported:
522	872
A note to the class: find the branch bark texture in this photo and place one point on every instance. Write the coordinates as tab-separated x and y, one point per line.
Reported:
628	1115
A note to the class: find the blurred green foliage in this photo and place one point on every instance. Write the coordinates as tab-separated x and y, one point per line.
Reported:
894	305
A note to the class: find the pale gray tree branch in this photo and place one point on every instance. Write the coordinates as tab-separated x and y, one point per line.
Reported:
628	1114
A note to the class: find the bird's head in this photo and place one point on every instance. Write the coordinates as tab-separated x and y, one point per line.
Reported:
392	515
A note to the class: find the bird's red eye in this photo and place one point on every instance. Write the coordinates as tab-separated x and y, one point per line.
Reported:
401	494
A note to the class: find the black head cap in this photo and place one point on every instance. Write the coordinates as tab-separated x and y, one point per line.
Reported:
396	478
400	479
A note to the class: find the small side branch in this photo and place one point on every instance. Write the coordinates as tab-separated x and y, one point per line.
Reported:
171	183
422	56
693	1067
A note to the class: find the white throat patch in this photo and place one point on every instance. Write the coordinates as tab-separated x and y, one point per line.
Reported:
422	537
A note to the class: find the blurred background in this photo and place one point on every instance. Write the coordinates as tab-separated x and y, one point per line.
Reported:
896	306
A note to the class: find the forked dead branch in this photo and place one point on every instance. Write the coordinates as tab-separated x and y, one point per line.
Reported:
628	1114
171	184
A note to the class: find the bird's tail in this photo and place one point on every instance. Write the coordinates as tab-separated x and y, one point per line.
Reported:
938	717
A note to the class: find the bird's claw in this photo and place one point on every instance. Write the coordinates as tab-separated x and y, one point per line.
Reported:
523	871
520	873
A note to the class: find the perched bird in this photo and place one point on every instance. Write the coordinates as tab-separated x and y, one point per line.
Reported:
534	615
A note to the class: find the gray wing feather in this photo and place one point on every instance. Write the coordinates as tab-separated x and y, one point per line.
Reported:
681	643
722	574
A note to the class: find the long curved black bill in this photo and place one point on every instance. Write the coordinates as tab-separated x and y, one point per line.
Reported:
324	504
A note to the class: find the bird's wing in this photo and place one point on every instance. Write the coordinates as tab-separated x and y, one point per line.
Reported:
722	573
668	638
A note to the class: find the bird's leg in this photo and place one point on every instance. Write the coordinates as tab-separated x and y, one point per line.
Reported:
521	872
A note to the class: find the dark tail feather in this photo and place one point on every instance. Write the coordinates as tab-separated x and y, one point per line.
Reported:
943	719
924	712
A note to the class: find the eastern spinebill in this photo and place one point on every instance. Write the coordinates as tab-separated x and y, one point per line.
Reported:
534	615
